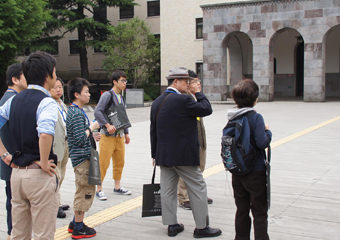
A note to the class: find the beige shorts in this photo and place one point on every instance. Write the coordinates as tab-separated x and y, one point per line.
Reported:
83	197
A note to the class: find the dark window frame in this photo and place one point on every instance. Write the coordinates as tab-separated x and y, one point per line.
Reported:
153	8
126	12
72	47
100	13
199	28
55	45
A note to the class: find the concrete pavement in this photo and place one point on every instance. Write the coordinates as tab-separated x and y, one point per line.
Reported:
305	178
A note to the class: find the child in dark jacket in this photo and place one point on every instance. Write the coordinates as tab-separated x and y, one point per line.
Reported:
250	190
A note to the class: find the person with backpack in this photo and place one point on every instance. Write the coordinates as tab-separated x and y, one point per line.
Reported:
249	171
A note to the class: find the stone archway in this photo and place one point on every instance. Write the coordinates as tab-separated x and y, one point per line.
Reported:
238	51
331	46
287	56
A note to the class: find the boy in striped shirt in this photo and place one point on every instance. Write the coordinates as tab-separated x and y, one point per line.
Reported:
78	129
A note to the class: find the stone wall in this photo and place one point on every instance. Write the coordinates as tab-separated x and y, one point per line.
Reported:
261	21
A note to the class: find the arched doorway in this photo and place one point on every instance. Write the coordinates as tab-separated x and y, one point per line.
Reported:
238	59
287	53
331	45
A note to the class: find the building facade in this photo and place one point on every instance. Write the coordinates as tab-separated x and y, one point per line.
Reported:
289	47
68	65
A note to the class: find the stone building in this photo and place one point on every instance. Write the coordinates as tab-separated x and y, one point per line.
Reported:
289	47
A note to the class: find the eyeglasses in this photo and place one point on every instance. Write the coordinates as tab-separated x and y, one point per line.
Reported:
123	81
55	88
195	81
187	81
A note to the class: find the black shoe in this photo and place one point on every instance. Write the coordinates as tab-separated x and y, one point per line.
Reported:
61	213
85	232
65	207
173	230
207	232
71	227
209	200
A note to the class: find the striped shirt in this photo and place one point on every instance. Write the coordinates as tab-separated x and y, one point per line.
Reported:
78	142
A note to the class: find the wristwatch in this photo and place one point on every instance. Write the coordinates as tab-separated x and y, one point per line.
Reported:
4	156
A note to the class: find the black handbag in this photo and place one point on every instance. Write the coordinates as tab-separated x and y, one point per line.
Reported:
116	115
152	198
94	169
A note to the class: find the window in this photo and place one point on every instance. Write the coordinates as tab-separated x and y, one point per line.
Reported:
126	12
100	14
157	36
97	49
199	70
153	8
73	47
55	50
199	28
73	18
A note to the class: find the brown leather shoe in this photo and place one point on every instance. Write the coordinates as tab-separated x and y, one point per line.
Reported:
185	205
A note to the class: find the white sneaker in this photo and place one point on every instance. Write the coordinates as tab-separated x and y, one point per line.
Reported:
122	191
101	196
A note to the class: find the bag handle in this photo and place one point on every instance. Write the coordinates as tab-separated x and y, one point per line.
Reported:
269	153
162	105
153	175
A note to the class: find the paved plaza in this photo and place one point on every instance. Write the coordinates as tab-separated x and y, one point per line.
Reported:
305	179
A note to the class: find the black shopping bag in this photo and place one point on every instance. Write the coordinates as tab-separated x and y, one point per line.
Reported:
152	198
268	175
116	116
94	169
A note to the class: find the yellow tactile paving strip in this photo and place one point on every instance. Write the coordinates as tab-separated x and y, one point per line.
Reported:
120	209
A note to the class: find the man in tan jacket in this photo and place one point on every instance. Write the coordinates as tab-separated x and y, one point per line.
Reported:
183	198
60	146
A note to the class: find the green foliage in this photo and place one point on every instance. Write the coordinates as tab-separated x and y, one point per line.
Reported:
69	16
132	46
147	98
152	90
21	21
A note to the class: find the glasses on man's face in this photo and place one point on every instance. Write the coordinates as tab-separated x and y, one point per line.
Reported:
187	81
195	81
123	81
55	88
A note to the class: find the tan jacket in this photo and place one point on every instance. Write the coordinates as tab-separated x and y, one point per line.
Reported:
60	142
201	134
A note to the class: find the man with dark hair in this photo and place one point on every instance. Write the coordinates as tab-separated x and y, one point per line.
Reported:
16	83
111	144
175	148
183	198
31	117
79	130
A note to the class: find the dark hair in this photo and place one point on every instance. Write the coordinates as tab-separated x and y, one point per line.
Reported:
245	93
116	75
170	81
37	67
76	85
61	81
15	70
192	74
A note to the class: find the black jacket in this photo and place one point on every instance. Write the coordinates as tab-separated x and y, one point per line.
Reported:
174	137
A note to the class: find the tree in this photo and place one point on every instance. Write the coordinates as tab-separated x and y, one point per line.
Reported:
69	16
132	46
21	21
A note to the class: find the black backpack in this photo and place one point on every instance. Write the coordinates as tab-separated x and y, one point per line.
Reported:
239	154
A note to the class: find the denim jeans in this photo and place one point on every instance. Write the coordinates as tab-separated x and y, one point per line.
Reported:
9	207
250	193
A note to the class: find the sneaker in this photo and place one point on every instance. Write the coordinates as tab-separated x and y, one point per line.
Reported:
185	205
71	227
85	232
122	191
101	196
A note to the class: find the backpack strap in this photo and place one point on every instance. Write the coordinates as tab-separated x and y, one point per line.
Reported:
249	114
111	101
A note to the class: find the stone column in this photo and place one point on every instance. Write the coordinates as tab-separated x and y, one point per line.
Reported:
314	73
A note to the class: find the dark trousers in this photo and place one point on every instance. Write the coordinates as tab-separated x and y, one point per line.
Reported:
9	207
250	193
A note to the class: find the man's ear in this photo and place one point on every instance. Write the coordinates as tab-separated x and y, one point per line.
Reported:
15	81
76	95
